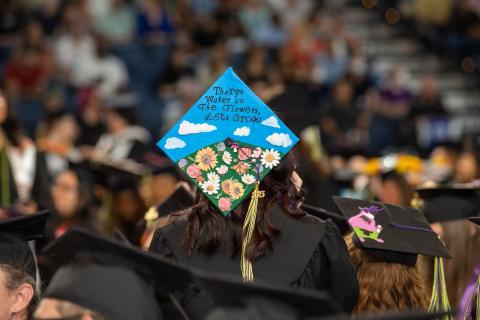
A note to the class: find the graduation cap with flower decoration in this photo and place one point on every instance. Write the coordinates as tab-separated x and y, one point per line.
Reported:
227	143
397	234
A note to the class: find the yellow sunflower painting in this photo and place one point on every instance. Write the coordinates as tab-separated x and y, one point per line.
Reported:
206	159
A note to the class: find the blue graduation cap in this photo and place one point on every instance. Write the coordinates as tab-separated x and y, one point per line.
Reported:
228	142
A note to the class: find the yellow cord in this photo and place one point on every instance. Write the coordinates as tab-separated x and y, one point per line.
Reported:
439	300
248	227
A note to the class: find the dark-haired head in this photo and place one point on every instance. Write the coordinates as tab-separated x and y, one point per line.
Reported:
208	231
9	124
17	277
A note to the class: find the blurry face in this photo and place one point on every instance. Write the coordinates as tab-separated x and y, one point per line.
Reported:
466	168
65	194
3	109
67	129
343	93
114	122
163	186
128	208
390	193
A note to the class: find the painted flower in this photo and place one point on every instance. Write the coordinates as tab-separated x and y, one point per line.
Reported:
248	179
237	190
193	171
241	167
222	169
227	186
227	157
210	187
182	163
200	179
224	204
220	146
244	153
257	152
270	158
213	176
206	159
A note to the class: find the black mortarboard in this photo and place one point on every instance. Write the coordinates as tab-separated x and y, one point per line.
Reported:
14	236
448	203
111	278
231	293
392	233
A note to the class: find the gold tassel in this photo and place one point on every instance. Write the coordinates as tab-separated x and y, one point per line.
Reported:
469	307
248	227
150	216
439	301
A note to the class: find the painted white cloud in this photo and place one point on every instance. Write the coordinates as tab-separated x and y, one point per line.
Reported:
174	143
280	139
271	122
242	132
187	127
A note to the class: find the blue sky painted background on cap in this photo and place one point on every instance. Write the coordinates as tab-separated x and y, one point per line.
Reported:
228	109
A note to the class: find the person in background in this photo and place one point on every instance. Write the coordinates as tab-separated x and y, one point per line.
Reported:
447	209
125	138
27	75
154	24
385	255
343	125
19	282
390	110
428	102
117	25
127	207
394	189
89	118
71	203
23	170
466	167
58	142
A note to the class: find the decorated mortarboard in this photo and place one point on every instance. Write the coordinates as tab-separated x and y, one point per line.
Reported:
14	236
111	278
231	294
441	203
397	234
226	143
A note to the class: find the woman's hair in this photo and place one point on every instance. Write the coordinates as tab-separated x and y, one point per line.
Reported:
385	286
85	195
208	231
15	277
463	240
11	126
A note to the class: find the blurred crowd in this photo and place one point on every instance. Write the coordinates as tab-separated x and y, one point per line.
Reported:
88	87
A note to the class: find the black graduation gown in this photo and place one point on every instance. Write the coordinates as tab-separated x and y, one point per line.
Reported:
40	192
310	253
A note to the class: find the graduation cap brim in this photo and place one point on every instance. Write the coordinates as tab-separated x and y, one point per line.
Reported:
475	220
167	275
404	230
448	203
228	291
27	227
